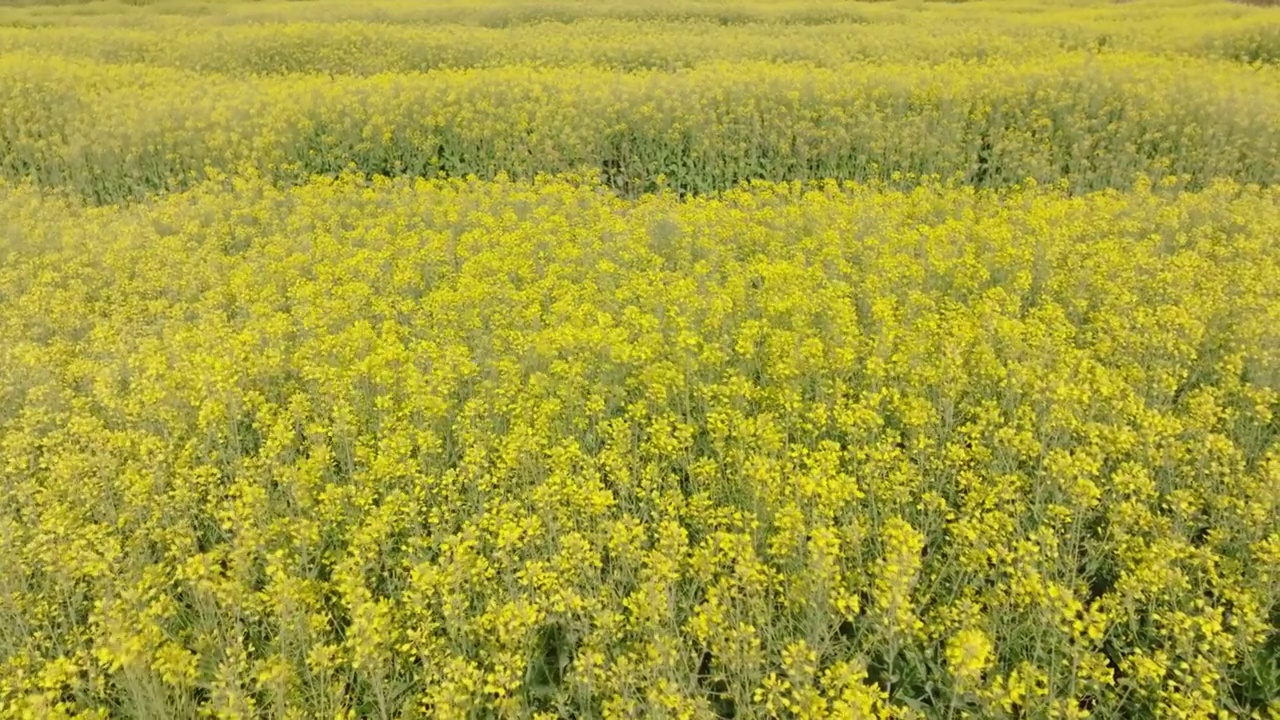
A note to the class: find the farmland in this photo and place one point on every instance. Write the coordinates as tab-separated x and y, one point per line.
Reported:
680	359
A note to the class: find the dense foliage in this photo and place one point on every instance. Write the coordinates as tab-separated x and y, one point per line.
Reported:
116	132
569	381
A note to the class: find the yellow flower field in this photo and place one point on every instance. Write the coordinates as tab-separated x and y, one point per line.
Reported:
688	359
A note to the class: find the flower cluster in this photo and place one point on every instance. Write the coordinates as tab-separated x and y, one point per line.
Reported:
461	448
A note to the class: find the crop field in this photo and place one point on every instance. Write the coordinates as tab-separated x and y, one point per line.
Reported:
697	359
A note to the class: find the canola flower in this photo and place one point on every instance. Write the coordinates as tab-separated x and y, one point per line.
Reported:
552	359
371	38
365	447
114	132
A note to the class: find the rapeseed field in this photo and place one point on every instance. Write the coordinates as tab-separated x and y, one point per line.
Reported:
675	359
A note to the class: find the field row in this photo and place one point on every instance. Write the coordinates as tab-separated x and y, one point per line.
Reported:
1172	20
114	132
464	447
367	48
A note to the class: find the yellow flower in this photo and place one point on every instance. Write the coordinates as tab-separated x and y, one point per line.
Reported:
968	654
